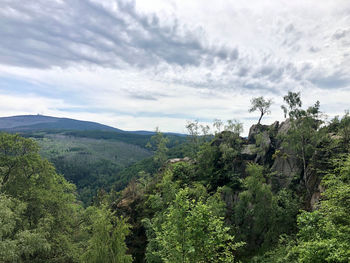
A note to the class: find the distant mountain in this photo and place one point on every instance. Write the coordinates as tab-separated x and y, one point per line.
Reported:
41	122
31	123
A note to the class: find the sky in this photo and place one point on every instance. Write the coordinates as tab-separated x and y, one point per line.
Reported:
137	65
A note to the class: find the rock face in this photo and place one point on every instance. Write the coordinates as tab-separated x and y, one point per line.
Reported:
263	137
255	130
315	198
249	151
177	160
284	127
286	165
264	146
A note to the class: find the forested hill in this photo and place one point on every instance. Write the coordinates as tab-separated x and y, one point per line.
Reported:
41	122
90	155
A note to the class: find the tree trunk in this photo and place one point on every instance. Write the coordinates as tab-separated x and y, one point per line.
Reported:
262	114
304	165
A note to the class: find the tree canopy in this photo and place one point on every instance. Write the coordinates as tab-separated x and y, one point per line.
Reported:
262	105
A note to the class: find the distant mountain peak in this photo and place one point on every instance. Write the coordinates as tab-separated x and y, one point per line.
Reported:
42	122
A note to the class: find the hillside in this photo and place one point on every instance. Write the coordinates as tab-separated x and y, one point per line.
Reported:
91	155
41	122
32	123
89	163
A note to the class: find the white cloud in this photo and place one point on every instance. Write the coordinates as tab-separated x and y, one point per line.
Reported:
138	65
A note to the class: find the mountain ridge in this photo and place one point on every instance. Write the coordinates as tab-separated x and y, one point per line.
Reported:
22	123
38	122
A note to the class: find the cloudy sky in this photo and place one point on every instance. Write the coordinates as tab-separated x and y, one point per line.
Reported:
141	64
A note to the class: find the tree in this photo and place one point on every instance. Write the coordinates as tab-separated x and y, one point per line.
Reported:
47	207
261	105
193	144
294	103
234	126
254	212
199	134
217	125
324	234
216	161
303	135
159	145
345	130
193	232
261	216
107	243
19	243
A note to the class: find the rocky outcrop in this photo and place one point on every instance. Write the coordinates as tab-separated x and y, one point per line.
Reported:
286	167
249	152
255	130
177	160
316	196
285	164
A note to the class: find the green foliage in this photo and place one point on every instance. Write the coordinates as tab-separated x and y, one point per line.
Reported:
342	129
19	242
177	213
184	172
293	106
254	212
345	129
261	105
90	164
324	235
158	144
304	134
192	232
125	176
107	243
129	138
47	209
260	216
217	161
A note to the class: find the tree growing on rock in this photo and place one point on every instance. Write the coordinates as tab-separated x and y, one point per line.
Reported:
262	105
304	134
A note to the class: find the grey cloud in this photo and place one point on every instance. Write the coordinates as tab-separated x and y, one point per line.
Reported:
291	37
341	33
289	28
145	94
314	49
143	97
44	34
332	81
47	33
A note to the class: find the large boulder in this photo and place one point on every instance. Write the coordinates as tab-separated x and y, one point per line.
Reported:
177	160
286	166
249	151
282	130
263	142
316	196
254	130
264	137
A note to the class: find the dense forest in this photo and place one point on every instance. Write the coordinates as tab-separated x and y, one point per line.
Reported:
282	194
